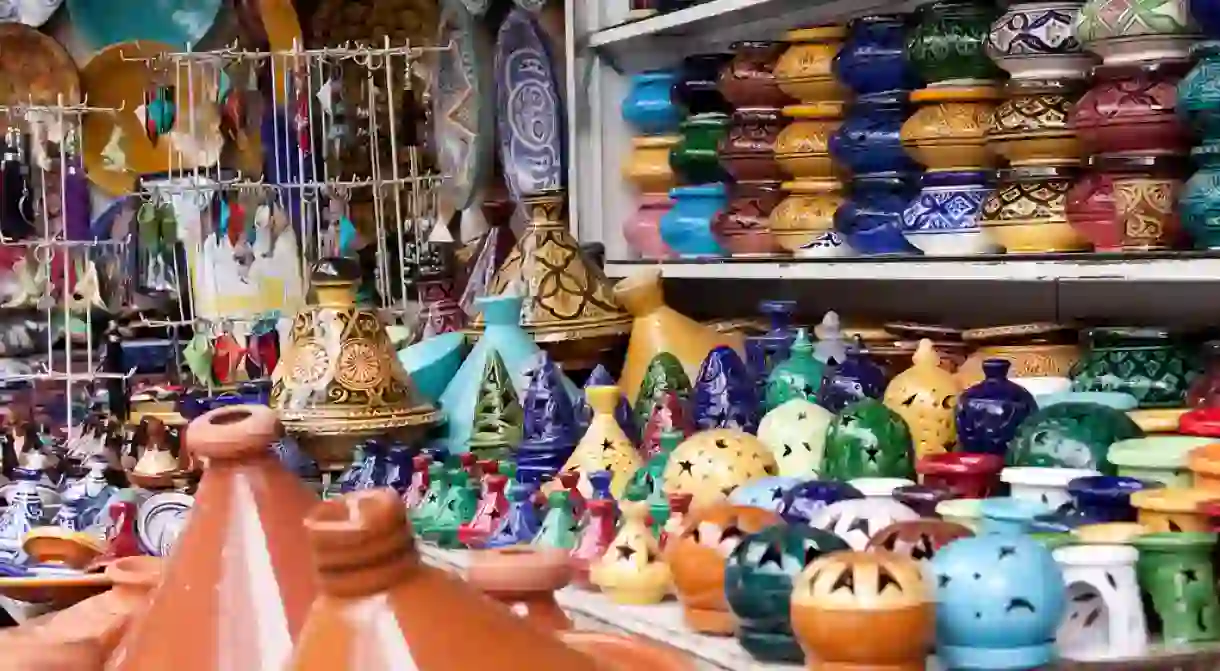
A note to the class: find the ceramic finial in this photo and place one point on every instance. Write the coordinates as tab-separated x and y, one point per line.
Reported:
830	328
996	369
603	399
925	355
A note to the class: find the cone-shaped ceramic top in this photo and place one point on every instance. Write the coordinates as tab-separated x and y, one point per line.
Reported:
382	609
604	447
567	297
239	584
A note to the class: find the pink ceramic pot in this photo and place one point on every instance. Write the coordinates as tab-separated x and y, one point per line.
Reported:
643	228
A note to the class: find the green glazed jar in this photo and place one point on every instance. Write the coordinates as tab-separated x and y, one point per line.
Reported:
1071	435
695	159
1175	574
948	42
798	376
1153	365
868	440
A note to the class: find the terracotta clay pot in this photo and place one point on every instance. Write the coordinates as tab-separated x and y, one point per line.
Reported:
968	476
1132	109
803	146
627	653
744	227
749	79
747	152
804	70
1129	203
1030	126
524	578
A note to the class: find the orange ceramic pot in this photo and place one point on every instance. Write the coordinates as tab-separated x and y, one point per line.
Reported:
696	560
1204	463
804	70
647	166
1172	509
803	146
524	578
627	653
807	213
948	131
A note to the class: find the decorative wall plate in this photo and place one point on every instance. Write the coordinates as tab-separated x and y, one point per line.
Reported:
160	518
179	23
32	13
529	111
461	110
34	67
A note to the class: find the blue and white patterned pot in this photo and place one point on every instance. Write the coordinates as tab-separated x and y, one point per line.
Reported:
943	220
871	220
1037	40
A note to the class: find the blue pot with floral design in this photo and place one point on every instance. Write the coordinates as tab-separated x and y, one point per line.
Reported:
989	413
943	220
687	227
871	219
857	378
869	139
648	106
873	57
804	501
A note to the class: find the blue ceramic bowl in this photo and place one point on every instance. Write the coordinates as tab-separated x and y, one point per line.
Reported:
1111	399
178	23
433	362
1010	516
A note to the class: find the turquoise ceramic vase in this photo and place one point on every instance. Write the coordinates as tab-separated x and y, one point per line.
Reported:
687	227
798	376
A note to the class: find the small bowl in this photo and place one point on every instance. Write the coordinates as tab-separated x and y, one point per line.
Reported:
1044	386
57	546
433	362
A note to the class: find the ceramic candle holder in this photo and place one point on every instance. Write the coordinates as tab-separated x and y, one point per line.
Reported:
967	476
1025	214
1030	126
803	146
1187	609
1164	459
1131	109
1047	486
804	221
1172	509
1105	614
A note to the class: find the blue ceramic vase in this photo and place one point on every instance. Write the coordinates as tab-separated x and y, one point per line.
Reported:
871	219
873	58
648	106
943	219
724	394
766	350
804	501
857	378
549	430
989	413
521	523
868	141
600	377
687	227
1097	499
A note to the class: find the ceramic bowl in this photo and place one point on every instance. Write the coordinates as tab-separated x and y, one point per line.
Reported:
59	547
1044	385
1026	214
1036	40
1163	459
433	362
1030	126
1110	399
947	131
803	70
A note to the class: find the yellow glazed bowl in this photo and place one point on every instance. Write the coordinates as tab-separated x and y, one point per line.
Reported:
1031	128
807	212
802	148
948	131
1024	361
1026	216
648	164
803	71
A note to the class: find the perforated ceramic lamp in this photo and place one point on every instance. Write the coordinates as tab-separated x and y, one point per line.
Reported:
796	434
925	395
605	447
631	571
711	464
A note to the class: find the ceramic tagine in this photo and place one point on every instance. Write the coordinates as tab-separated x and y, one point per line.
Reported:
524	580
711	464
339	380
924	396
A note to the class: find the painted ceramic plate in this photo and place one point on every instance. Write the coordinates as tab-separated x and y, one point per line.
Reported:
529	112
32	13
59	590
178	23
116	148
34	67
461	112
160	519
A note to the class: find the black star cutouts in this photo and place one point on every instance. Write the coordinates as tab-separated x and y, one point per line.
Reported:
625	551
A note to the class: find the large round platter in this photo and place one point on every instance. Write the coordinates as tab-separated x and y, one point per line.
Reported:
32	13
159	520
35	68
460	108
178	23
529	110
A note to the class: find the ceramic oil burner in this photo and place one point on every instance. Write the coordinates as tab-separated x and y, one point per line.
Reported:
498	416
804	221
857	520
943	220
1172	508
600	377
764	351
758	586
747	151
919	540
1011	516
559	525
743	227
1176	575
946	44
869	140
879	488
873	58
868	439
1025	214
802	148
989	413
864	609
1104	499
1036	40
696	560
831	348
924	396
805	501
642	230
804	69
605	446
694	159
1131	109
423	514
520	524
798	376
871	220
999	600
711	464
647	167
549	429
631	571
966	475
648	107
1127	31
696	89
1151	364
795	432
923	498
1048	486
1030	126
946	132
724	395
596	533
524	579
1128	203
749	79
1200	200
1164	459
857	377
766	493
1105	614
668	415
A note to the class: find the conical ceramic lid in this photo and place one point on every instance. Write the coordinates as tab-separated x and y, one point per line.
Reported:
382	609
567	297
237	588
604	447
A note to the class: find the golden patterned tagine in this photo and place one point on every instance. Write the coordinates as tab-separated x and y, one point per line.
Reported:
339	379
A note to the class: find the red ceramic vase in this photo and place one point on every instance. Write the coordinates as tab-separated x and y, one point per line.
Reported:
642	230
743	228
1129	203
747	151
1132	109
968	475
749	79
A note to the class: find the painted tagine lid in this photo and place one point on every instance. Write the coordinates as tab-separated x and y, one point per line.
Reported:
239	583
567	297
381	608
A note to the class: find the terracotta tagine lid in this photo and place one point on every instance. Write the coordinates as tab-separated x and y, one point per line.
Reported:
239	583
381	608
617	652
339	380
524	578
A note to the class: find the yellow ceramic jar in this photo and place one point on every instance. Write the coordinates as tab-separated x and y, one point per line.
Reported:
948	131
803	147
807	212
647	167
1172	508
925	396
1204	463
804	71
1026	214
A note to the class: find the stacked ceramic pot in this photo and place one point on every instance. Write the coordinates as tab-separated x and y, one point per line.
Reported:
873	64
701	192
946	132
803	223
653	116
1127	124
1199	104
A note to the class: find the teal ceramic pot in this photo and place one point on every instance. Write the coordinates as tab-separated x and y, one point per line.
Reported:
868	440
1071	435
1006	516
178	23
1199	94
695	159
687	229
1199	203
1162	458
948	42
1111	399
758	586
798	376
1152	365
432	363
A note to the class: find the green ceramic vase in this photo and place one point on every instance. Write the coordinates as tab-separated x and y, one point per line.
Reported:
559	526
1176	576
664	373
1071	435
948	42
695	159
798	376
868	440
1152	365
